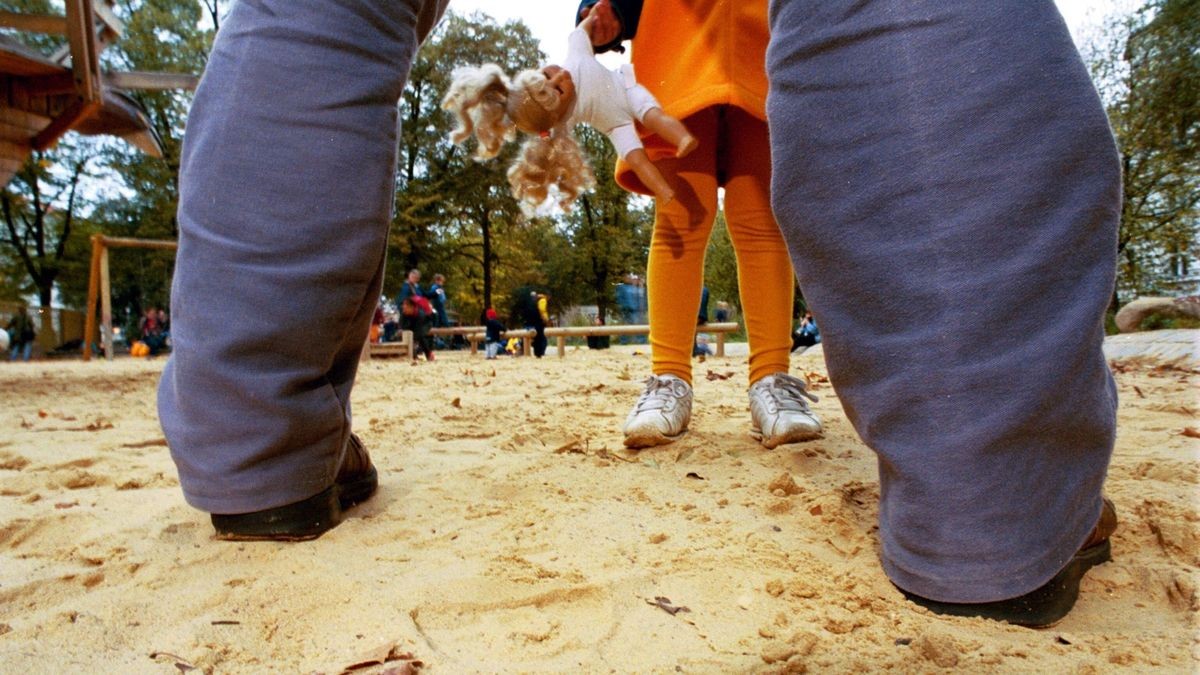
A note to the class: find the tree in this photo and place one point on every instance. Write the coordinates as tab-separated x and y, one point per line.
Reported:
451	211
160	36
39	211
607	234
1147	68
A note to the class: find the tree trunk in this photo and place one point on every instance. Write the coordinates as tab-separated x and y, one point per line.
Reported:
485	225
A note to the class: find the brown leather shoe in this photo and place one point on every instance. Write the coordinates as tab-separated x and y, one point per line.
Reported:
1045	606
309	518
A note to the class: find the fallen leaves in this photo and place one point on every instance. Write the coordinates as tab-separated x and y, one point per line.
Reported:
665	605
712	375
389	655
1191	432
179	661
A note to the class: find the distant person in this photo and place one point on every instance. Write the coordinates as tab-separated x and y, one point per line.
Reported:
598	341
418	316
493	341
437	297
807	333
541	320
702	316
151	328
20	335
705	63
722	313
631	305
410	287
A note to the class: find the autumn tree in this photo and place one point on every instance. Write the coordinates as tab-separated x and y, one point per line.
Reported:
452	212
1147	68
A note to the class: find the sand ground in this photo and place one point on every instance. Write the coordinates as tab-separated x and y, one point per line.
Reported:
513	533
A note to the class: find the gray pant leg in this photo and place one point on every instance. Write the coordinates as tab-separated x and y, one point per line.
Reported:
285	195
948	186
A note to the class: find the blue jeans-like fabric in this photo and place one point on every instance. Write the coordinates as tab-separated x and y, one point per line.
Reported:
286	188
22	351
949	189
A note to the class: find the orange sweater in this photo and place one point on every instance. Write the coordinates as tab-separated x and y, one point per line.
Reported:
693	54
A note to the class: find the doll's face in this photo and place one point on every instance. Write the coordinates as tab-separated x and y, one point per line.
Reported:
560	80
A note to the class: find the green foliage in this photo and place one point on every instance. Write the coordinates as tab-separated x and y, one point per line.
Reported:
604	237
456	216
1159	322
41	224
1147	68
160	36
720	268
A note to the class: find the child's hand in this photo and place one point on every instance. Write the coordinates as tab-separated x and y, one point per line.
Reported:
601	23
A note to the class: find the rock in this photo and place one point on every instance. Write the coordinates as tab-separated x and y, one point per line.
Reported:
784	483
940	649
1129	319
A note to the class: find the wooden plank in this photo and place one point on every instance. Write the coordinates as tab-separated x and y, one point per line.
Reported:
89	324
85	56
108	20
7	171
23	118
151	81
17	59
129	242
106	338
78	110
14	149
52	24
47	85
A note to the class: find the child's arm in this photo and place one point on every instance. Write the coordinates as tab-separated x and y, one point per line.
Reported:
650	175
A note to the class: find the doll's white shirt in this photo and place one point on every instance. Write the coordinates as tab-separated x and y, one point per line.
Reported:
608	100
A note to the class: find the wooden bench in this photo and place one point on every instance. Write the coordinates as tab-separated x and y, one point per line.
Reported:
375	350
525	334
562	333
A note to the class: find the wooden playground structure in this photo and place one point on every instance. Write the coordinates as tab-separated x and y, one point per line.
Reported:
100	287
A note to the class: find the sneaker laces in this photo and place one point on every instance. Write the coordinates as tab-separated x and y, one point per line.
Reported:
659	391
789	393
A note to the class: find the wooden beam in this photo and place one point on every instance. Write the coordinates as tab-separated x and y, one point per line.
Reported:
63	123
151	81
108	19
85	56
89	319
105	305
129	242
51	24
49	85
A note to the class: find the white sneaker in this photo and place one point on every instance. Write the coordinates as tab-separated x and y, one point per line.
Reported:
779	413
662	412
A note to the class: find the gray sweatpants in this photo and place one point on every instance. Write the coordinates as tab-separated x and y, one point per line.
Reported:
286	187
949	189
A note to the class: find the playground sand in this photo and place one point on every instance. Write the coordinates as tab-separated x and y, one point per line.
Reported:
513	533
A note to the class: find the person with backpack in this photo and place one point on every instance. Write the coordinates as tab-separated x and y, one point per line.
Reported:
21	334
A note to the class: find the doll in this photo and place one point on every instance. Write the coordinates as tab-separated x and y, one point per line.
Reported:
547	103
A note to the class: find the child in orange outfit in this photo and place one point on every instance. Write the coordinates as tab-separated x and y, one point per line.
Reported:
707	69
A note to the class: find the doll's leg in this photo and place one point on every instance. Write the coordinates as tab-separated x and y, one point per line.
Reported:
672	130
650	175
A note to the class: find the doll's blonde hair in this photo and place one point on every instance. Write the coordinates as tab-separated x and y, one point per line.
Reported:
491	107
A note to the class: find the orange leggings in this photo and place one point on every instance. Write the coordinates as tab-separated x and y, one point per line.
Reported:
734	153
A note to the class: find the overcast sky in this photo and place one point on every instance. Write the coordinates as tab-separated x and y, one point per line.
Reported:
551	19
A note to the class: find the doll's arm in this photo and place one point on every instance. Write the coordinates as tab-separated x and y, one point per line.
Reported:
650	175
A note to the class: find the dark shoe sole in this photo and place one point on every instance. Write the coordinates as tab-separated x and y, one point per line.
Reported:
301	521
1040	608
796	436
